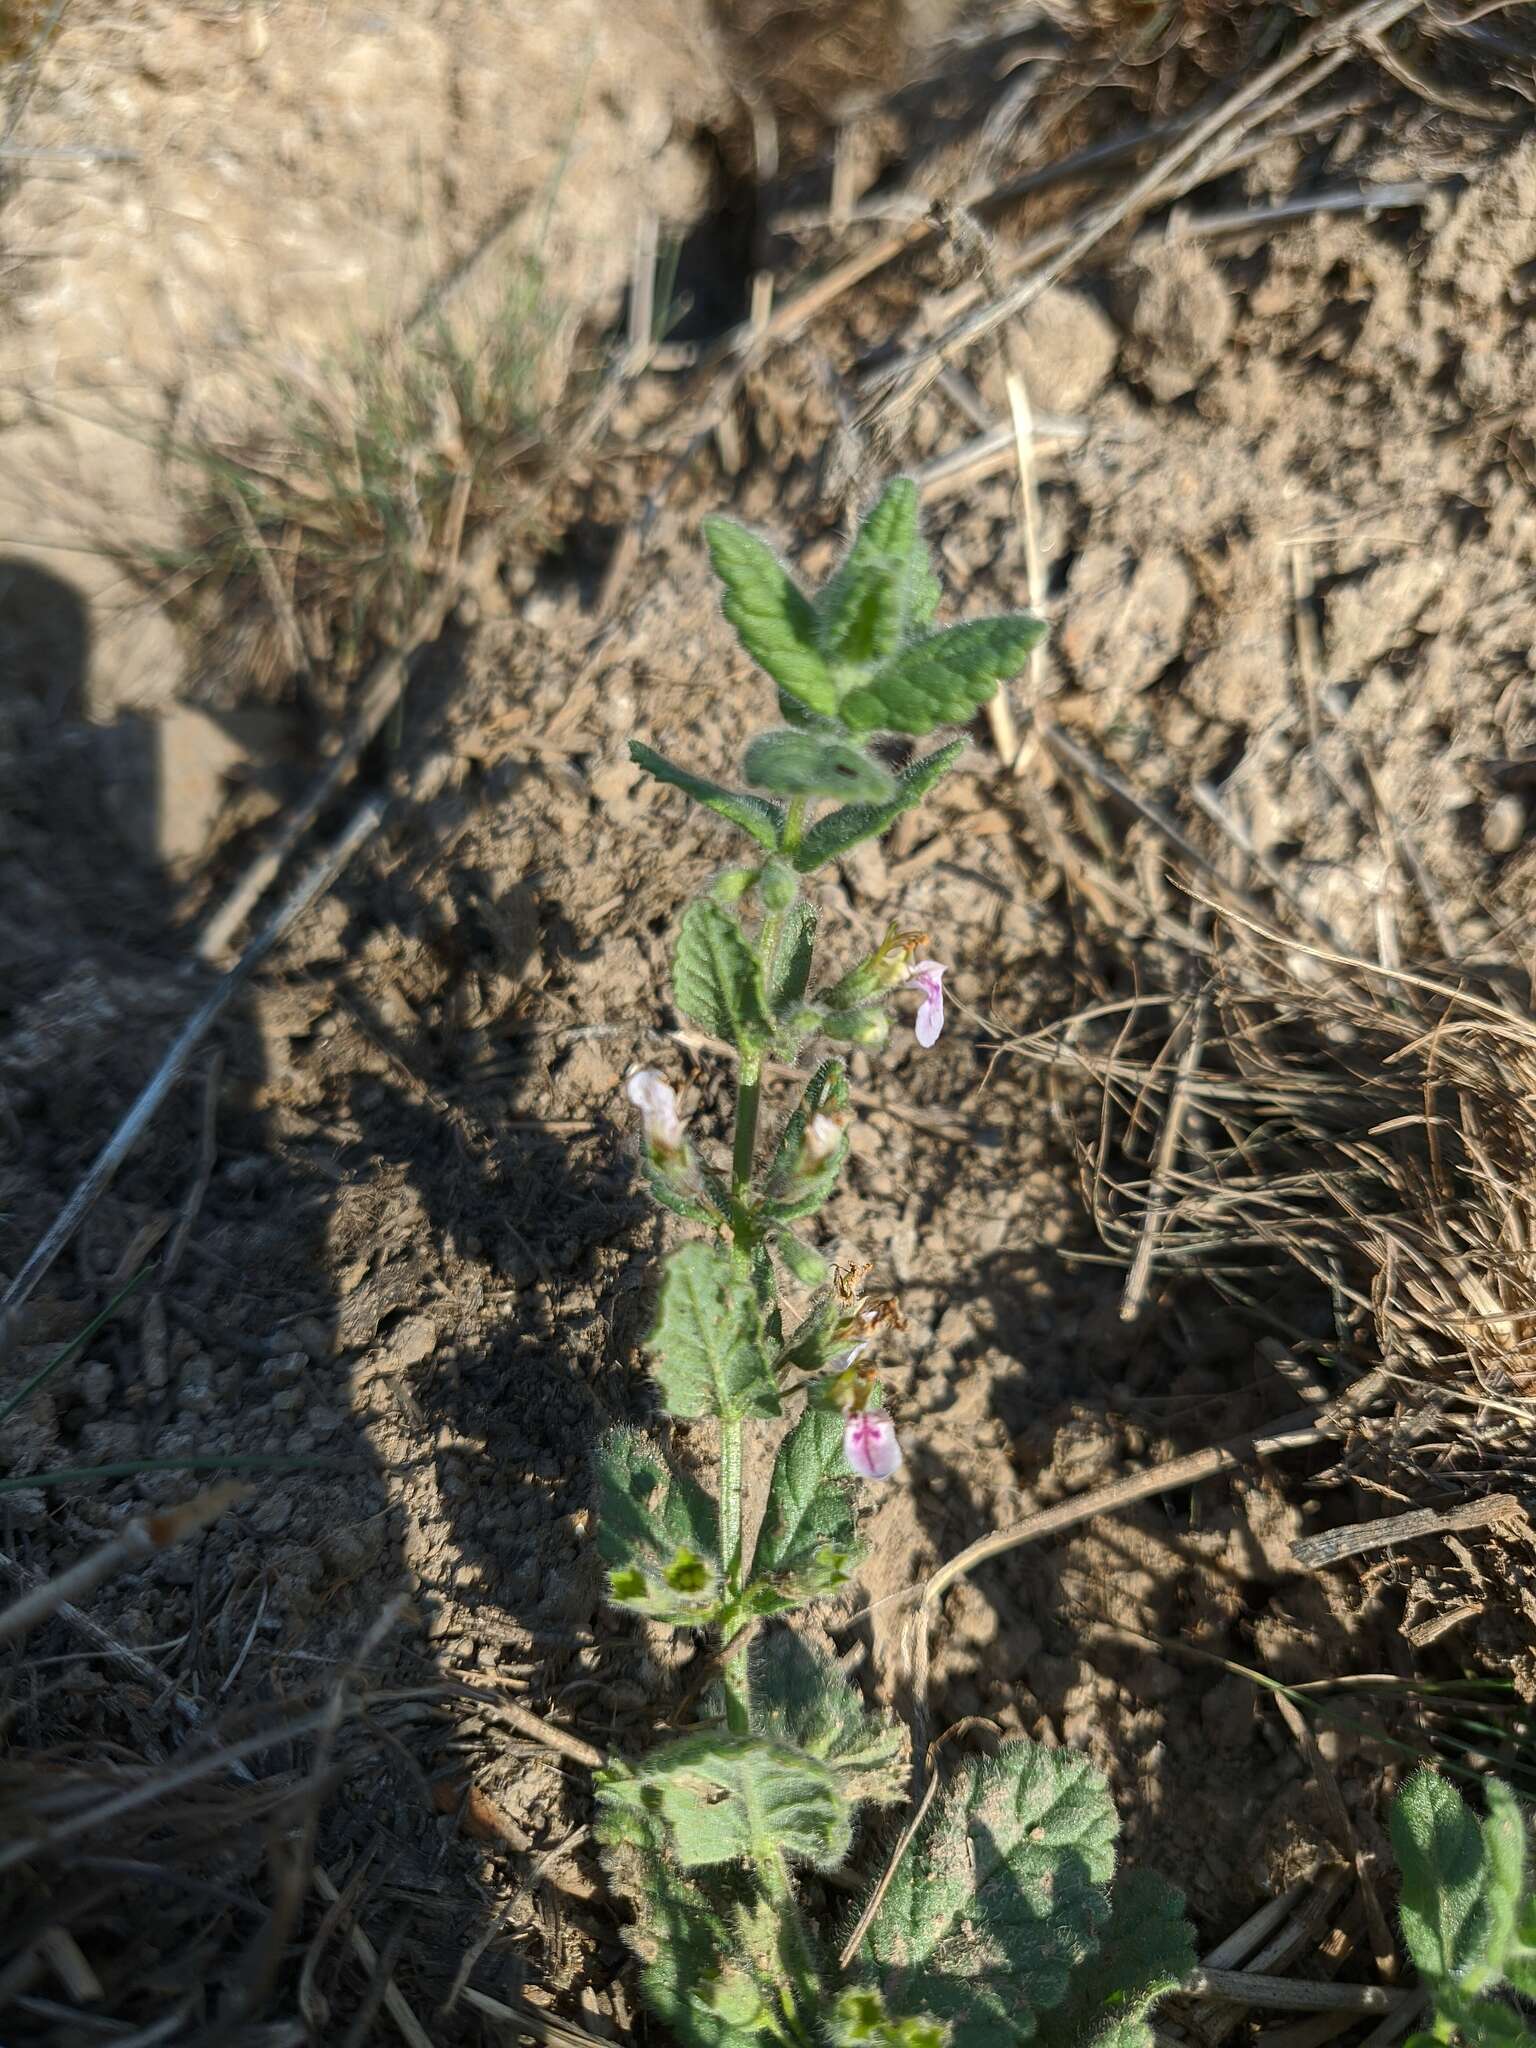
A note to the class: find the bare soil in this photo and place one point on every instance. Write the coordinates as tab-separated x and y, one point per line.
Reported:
414	1251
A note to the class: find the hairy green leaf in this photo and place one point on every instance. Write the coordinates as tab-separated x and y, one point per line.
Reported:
724	1798
694	1976
791	966
657	1534
774	621
716	978
817	764
1001	1895
864	612
763	820
942	680
1450	1919
807	1546
708	1346
802	1698
1146	1950
839	831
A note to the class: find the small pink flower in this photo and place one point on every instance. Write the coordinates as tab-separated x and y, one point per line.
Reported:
869	1444
657	1104
928	975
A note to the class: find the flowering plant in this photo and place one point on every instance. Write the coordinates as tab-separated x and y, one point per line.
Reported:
1002	1890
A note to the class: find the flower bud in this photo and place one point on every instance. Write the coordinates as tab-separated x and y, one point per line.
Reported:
823	1135
886	968
652	1095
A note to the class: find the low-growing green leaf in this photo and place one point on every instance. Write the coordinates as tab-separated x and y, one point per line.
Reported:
1504	1846
1146	1950
1448	1919
724	1798
763	820
694	1976
942	680
716	978
774	621
807	1547
1001	1895
708	1347
817	764
801	1697
657	1535
841	830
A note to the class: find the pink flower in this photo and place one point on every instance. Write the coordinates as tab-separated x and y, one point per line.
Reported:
869	1444
928	975
657	1104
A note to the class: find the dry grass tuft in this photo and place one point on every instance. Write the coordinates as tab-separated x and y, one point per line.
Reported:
311	547
1293	1113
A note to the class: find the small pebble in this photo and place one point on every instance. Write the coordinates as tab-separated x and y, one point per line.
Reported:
1504	824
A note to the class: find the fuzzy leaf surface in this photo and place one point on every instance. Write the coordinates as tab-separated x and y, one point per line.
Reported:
1146	1950
763	820
708	1346
1455	1907
774	621
792	963
817	764
684	1932
738	1798
864	612
716	978
650	1521
806	1546
943	679
1001	1895
801	1698
841	830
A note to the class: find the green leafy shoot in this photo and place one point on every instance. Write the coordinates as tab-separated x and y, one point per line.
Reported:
1000	1921
1468	1908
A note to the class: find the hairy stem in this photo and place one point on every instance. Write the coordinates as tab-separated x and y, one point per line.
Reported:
801	1972
748	1097
794	825
738	1705
733	1675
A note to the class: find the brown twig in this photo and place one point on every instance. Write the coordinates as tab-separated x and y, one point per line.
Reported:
1317	1551
557	1739
127	1551
1347	1841
395	2002
1292	1994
